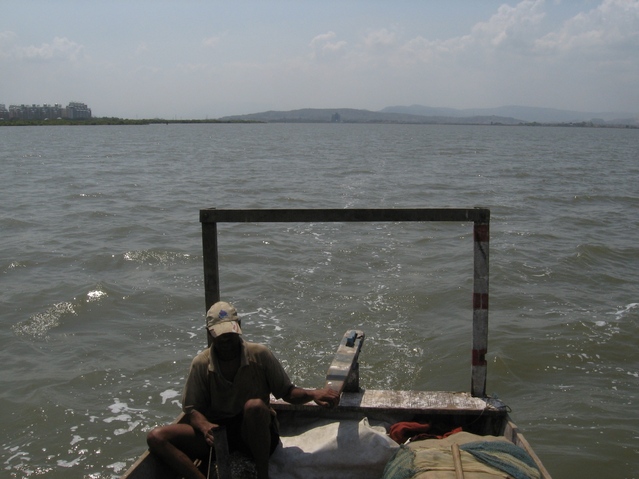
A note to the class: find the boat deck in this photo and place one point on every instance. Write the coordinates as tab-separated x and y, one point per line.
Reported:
415	402
438	407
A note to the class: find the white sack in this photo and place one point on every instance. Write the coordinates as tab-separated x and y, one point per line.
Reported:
330	449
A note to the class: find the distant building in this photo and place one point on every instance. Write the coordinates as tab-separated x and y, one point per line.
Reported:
76	110
73	111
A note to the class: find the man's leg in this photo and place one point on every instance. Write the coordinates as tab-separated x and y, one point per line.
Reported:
256	432
170	442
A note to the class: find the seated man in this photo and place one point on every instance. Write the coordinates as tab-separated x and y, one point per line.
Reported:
229	384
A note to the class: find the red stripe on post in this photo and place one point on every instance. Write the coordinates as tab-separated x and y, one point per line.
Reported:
481	233
479	357
480	300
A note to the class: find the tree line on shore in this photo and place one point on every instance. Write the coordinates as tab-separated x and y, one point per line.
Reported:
152	121
107	121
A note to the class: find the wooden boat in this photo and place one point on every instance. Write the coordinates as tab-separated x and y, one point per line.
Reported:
473	411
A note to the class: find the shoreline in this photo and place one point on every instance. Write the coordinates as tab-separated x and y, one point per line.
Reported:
156	121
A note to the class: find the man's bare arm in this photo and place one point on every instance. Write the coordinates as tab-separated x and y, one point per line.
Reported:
201	424
323	397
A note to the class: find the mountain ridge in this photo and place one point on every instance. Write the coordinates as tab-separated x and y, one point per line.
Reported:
419	114
524	113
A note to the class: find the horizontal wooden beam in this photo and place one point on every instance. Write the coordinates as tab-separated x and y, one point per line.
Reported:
212	215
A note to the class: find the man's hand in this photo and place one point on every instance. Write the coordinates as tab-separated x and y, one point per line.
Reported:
200	423
323	397
208	435
326	397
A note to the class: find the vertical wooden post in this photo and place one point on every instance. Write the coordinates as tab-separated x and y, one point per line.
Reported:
481	234
211	265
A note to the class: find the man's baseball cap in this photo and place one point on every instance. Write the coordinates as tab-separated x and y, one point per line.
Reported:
222	318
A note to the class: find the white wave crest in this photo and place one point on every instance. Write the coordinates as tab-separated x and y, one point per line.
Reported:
38	325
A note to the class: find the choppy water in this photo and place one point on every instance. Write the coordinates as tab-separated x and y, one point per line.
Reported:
102	291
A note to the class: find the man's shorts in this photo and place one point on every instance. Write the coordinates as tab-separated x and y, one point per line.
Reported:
233	427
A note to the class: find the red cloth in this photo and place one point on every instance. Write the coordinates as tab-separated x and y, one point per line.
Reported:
402	431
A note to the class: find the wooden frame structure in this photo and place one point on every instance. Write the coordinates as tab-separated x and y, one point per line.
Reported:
477	412
480	217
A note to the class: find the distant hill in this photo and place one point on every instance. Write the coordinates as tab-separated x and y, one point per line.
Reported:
417	114
523	113
348	115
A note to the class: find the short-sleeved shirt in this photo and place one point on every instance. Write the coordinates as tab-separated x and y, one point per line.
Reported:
260	375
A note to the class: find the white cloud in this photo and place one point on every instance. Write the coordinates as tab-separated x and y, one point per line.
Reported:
61	48
322	38
212	42
613	23
6	44
512	28
380	38
323	45
510	23
334	46
419	49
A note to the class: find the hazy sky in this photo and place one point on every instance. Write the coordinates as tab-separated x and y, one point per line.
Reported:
199	59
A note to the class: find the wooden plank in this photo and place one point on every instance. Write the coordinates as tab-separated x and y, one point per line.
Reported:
212	215
343	373
211	267
512	433
416	402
